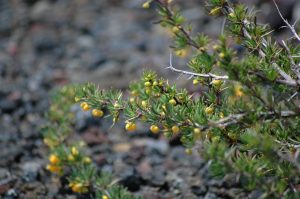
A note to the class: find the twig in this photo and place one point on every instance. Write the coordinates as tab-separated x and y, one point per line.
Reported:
288	80
192	74
236	118
291	27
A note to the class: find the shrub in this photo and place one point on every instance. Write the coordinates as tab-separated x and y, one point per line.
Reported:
67	158
245	122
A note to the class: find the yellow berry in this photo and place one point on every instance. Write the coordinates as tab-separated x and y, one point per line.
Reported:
221	115
87	160
53	168
53	159
197	131
105	197
97	113
231	15
144	104
154	129
148	91
134	93
130	126
71	158
195	82
175	129
209	110
217	83
175	29
147	84
172	101
155	83
71	184
77	99
238	91
216	47
188	151
131	100
146	5
79	188
85	106
74	151
222	55
181	53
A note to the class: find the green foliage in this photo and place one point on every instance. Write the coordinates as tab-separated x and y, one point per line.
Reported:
67	155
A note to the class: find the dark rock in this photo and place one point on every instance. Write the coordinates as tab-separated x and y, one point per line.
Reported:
198	190
7	106
131	179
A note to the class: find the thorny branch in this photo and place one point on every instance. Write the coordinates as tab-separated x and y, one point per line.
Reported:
287	79
192	74
236	118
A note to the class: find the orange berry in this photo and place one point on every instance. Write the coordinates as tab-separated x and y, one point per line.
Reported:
209	110
97	113
53	168
175	129
154	129
53	159
130	126
85	106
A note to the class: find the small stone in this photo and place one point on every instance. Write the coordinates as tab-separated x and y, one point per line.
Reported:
31	170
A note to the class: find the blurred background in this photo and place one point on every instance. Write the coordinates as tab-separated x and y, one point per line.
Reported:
48	44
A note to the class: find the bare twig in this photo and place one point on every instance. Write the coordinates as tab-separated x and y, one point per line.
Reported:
291	27
192	74
236	118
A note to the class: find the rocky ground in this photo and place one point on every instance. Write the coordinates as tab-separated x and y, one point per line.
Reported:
47	44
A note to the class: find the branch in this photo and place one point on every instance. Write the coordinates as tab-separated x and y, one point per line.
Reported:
192	74
291	27
287	79
170	15
236	118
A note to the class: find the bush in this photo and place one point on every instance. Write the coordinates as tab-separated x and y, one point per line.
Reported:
246	122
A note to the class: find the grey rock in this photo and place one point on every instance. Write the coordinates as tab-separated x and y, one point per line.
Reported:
31	170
